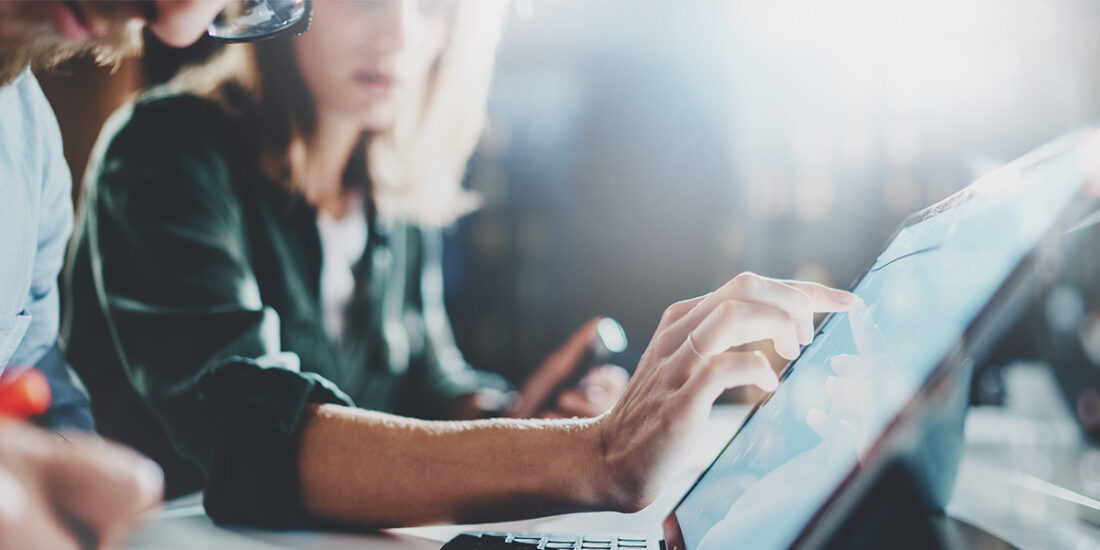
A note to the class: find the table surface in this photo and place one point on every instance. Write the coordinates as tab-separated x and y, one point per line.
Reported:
1027	476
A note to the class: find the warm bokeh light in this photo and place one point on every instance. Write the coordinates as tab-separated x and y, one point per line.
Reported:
664	146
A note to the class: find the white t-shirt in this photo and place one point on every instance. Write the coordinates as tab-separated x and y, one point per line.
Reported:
343	242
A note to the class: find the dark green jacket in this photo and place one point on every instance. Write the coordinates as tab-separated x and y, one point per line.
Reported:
196	321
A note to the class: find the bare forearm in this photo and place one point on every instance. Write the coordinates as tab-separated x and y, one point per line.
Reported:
381	470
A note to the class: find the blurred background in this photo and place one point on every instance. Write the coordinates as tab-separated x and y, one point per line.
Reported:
641	152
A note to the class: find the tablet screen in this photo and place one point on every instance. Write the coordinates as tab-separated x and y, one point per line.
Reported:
864	366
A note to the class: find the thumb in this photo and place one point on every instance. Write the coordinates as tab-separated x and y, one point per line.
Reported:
102	485
555	369
573	349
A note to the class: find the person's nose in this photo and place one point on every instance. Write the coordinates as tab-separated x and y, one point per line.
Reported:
400	22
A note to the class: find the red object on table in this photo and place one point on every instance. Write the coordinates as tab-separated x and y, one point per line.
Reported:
24	392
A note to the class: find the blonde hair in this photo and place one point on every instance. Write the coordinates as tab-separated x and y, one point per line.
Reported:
415	168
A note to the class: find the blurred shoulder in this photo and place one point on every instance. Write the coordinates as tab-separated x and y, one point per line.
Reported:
167	136
164	115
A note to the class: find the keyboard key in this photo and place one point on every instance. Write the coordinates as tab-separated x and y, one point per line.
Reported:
500	540
463	542
497	543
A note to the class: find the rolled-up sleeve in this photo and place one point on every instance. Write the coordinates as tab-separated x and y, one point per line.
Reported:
170	264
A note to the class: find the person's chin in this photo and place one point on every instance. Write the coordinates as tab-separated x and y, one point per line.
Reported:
376	119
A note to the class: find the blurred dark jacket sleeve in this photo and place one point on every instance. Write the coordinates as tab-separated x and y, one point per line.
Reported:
169	263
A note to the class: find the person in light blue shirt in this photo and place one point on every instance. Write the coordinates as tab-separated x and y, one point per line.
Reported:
77	491
36	218
36	213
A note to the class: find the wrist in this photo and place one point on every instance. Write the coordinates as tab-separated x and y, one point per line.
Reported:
614	475
600	485
570	462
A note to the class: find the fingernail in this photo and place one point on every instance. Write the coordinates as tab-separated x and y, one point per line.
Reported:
768	381
844	297
13	498
150	476
793	352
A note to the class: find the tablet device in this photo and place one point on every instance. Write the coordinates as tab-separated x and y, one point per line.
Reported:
949	279
885	383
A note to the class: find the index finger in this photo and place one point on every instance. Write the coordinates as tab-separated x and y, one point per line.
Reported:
824	298
746	286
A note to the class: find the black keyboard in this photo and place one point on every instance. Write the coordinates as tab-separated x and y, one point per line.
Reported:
499	540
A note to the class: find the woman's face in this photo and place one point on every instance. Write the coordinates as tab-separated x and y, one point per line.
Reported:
361	58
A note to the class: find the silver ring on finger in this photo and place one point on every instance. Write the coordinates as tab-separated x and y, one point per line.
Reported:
695	350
